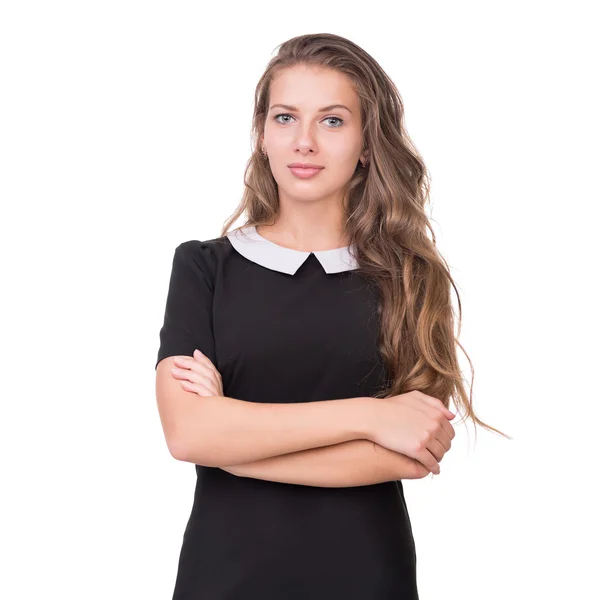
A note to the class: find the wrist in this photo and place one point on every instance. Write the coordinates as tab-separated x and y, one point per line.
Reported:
366	414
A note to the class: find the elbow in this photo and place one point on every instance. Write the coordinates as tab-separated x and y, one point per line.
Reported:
195	453
180	449
176	450
174	445
195	440
176	439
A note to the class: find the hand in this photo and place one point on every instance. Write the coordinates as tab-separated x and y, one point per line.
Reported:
416	425
198	374
420	471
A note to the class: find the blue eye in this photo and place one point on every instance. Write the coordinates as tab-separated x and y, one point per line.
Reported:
276	117
337	119
281	115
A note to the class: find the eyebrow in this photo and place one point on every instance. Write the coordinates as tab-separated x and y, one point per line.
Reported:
324	109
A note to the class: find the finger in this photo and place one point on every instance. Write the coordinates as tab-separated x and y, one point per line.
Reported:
431	413
188	362
438	430
428	461
197	378
435	403
203	359
415	470
199	356
197	388
420	470
182	373
443	438
436	448
448	429
203	365
191	365
200	374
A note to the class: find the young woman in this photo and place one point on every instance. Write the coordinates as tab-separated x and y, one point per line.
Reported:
307	359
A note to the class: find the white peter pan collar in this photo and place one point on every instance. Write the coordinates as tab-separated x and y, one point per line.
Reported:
250	244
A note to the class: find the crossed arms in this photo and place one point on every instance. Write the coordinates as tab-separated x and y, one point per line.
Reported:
352	463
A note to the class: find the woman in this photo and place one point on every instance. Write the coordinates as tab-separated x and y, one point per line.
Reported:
330	291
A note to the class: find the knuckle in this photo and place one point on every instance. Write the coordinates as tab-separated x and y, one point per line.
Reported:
426	437
432	430
418	447
424	441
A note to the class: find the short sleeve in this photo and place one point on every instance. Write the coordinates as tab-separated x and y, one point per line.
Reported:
187	322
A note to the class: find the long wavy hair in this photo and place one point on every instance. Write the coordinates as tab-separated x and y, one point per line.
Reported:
385	219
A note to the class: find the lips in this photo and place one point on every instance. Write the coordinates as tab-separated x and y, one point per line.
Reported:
298	165
305	172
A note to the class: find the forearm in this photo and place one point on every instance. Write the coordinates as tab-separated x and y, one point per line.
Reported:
348	464
217	430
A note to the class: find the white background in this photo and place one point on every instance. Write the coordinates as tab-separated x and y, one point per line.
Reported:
125	129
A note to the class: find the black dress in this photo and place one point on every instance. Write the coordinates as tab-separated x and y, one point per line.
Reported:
282	325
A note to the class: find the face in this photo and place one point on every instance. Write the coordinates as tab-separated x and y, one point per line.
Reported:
302	132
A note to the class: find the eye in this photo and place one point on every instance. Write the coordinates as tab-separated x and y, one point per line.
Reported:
281	115
276	117
336	119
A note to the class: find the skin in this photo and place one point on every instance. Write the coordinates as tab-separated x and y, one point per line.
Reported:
310	218
353	463
311	210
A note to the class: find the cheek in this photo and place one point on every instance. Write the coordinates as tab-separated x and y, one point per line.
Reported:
345	160
344	149
277	138
340	154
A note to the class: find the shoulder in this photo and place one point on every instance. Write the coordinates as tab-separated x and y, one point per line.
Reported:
205	253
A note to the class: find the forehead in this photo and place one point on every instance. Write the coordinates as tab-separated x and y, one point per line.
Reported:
310	87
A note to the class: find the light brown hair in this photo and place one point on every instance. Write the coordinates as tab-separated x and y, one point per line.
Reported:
385	219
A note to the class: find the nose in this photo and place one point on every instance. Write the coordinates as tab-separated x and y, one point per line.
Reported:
304	141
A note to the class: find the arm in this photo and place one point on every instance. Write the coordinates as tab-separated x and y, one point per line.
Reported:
353	463
217	430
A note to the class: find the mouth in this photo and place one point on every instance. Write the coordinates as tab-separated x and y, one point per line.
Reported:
303	172
306	165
